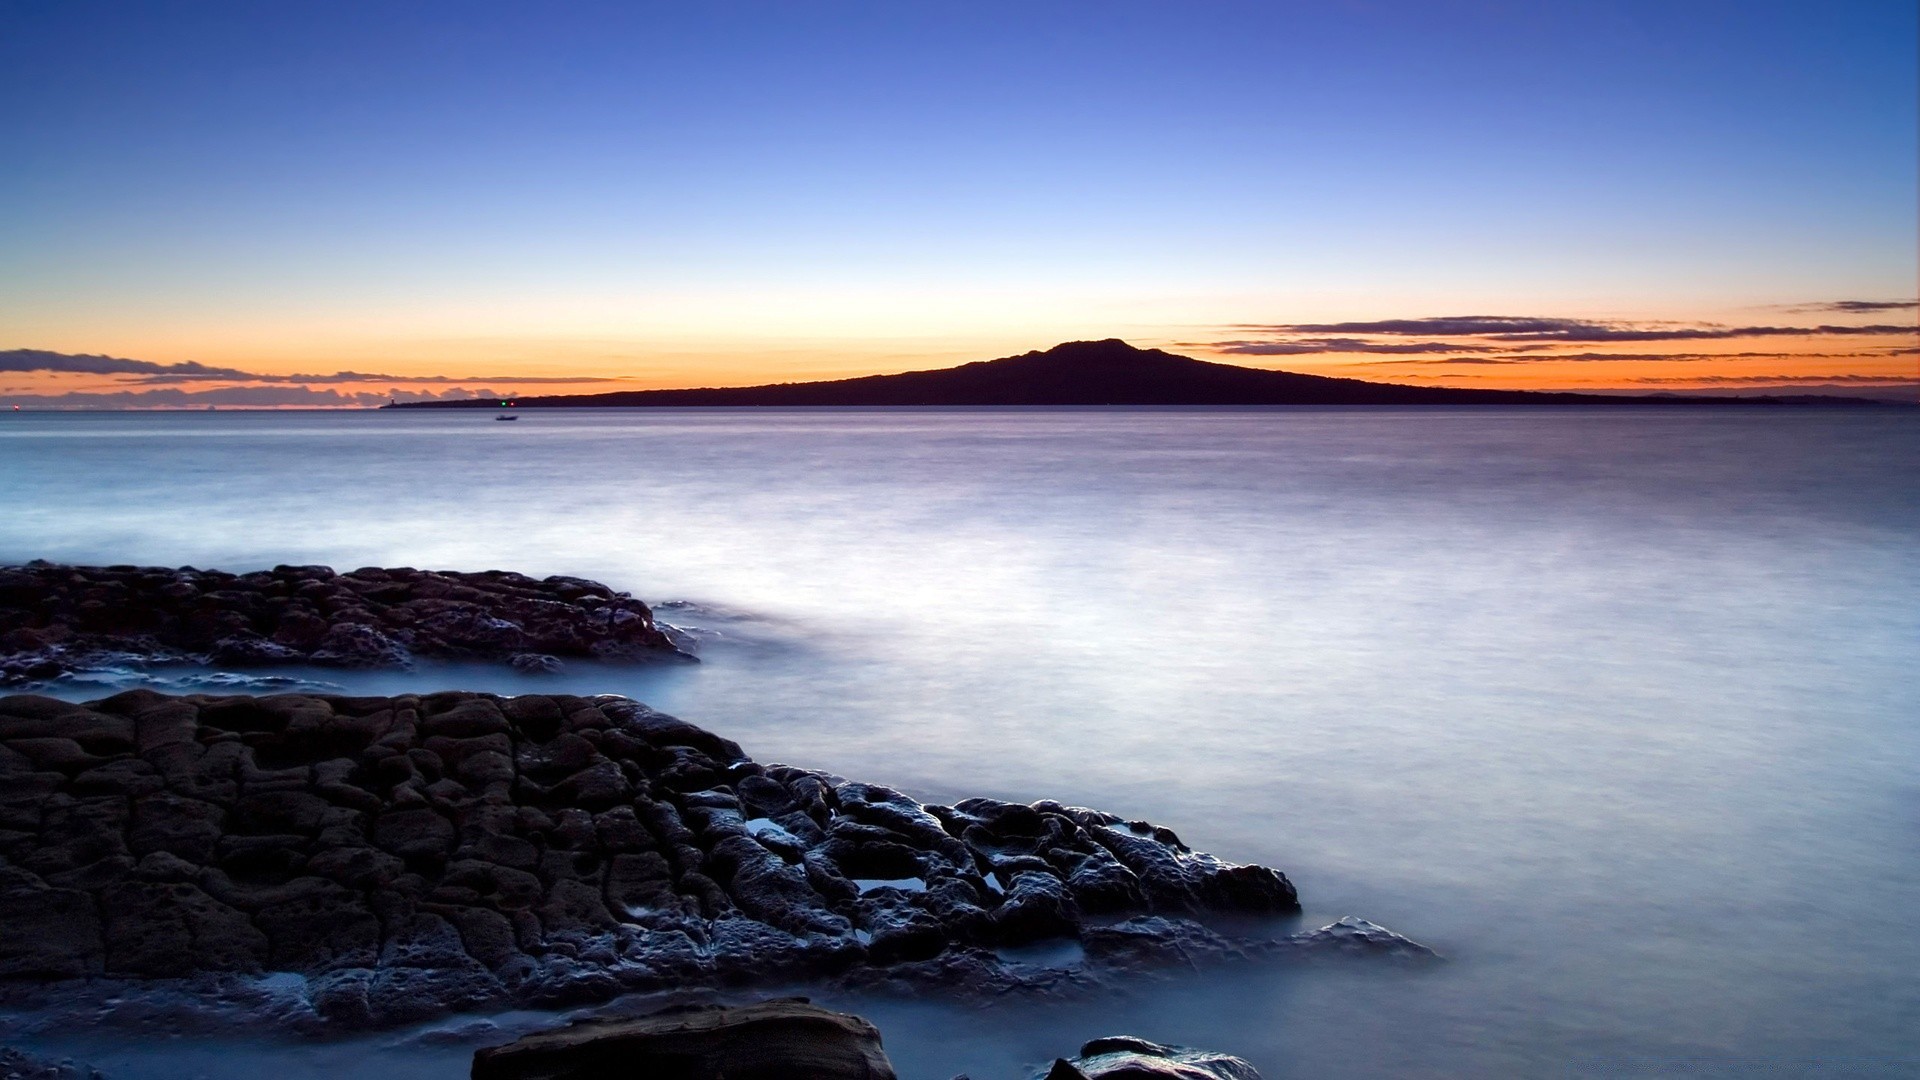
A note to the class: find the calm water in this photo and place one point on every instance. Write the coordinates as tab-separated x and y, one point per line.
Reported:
1615	708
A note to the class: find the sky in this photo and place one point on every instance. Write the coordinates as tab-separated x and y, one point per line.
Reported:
296	203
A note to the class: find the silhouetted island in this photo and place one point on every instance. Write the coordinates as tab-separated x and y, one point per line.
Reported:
1109	372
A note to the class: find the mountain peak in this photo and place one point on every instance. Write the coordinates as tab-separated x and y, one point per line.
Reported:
1106	349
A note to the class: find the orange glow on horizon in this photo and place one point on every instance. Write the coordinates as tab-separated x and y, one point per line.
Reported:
527	367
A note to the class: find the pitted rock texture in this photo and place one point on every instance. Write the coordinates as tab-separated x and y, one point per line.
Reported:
417	854
55	618
770	1040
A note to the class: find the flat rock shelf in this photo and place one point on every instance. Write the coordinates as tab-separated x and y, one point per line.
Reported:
413	855
56	619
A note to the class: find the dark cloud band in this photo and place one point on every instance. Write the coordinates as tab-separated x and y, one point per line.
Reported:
149	373
1515	328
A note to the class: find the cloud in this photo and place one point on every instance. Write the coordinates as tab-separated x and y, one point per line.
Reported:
368	377
1448	360
1527	328
89	364
148	373
1598	357
245	397
1857	307
1308	346
1770	380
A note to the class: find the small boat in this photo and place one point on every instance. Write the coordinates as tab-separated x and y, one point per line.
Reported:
507	416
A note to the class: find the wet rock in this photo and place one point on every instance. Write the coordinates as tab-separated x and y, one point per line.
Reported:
349	644
57	619
774	1040
1123	1057
19	1065
248	649
1037	905
420	853
1354	936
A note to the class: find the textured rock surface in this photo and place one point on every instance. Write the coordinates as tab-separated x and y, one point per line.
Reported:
55	619
1123	1057
773	1040
417	854
18	1065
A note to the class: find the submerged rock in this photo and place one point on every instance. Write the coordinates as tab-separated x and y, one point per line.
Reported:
57	619
19	1065
408	856
1123	1057
1353	936
773	1040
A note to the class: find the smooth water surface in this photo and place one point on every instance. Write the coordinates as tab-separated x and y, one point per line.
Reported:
1616	708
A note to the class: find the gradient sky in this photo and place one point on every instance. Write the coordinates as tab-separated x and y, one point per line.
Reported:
701	194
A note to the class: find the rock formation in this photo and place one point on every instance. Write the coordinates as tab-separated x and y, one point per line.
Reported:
772	1040
1123	1057
412	855
55	619
18	1065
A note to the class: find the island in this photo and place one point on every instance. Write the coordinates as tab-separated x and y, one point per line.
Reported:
1109	372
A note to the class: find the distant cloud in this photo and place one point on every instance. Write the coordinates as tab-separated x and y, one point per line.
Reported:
1526	328
89	364
1857	307
1308	346
1599	357
366	377
257	397
148	373
1769	380
239	397
1449	360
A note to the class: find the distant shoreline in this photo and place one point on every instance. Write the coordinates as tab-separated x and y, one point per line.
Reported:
1109	373
1798	402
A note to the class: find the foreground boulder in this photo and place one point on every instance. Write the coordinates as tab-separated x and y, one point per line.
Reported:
418	854
55	619
773	1040
1123	1057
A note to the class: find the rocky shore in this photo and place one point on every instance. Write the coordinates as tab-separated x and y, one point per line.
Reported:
56	619
779	1039
408	856
788	1038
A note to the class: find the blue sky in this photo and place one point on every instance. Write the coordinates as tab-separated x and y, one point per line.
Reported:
699	192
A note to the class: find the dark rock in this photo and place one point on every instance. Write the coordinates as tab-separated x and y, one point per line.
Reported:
1037	906
164	929
359	645
413	832
416	854
774	1040
58	619
1123	1057
1353	936
248	649
19	1065
51	933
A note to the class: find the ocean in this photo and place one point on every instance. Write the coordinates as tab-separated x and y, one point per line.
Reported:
1618	709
